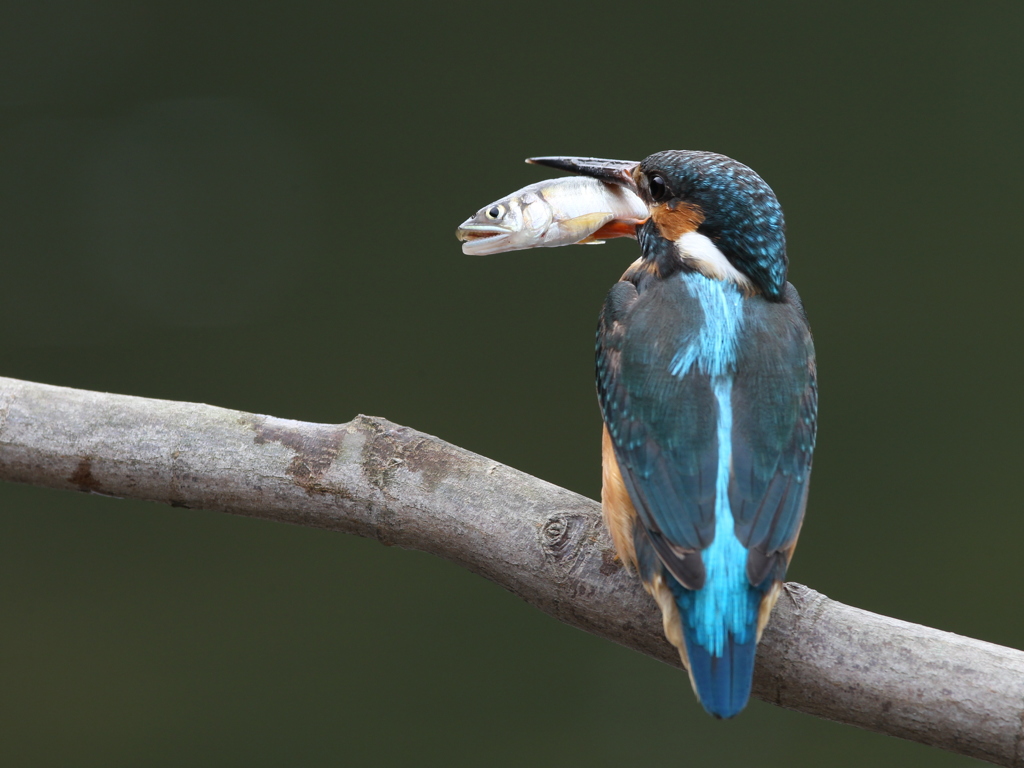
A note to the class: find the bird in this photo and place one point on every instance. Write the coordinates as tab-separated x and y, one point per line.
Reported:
707	385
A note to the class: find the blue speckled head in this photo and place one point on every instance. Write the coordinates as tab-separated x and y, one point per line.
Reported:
729	204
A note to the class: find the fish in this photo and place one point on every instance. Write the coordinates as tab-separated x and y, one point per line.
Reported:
563	211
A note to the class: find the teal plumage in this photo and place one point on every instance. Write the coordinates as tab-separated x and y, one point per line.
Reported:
707	385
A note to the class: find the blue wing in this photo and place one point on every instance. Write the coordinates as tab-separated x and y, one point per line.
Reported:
775	406
663	426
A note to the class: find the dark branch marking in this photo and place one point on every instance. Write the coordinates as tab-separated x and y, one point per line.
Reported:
174	492
610	562
381	455
315	450
83	479
394	447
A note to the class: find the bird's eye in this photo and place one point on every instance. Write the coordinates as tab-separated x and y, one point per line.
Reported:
494	212
658	189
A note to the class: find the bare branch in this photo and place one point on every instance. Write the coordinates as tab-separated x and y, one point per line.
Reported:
376	479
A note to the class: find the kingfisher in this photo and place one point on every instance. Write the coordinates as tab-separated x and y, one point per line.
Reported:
707	385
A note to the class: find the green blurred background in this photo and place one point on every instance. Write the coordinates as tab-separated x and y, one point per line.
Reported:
253	205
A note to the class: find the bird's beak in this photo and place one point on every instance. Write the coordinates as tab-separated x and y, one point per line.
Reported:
611	171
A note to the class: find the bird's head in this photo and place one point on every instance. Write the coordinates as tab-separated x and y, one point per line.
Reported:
709	213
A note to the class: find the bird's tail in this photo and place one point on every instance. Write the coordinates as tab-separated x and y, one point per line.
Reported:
722	682
720	646
715	628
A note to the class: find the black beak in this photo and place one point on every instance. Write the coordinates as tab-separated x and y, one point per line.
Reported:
611	171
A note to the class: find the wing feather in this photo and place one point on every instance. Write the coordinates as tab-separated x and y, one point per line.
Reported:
775	407
663	427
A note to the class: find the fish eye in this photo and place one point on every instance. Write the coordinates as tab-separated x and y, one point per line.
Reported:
658	189
494	212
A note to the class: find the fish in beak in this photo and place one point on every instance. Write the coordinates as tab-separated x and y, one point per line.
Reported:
584	209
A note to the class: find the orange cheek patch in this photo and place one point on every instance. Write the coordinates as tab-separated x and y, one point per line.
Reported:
673	223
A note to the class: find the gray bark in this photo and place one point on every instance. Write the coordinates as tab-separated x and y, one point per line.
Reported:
376	479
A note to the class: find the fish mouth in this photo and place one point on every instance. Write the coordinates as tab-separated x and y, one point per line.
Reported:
476	238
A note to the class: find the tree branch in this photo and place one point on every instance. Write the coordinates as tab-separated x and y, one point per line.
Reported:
376	479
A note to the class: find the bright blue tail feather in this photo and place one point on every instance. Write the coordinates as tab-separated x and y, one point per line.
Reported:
722	682
721	657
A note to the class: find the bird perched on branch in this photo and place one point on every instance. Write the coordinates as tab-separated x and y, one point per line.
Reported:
706	381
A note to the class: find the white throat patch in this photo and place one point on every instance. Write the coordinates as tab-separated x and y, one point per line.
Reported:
704	256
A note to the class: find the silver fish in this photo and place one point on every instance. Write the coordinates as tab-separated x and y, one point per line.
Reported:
572	209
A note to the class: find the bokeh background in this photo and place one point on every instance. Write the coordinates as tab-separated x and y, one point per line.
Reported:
252	205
